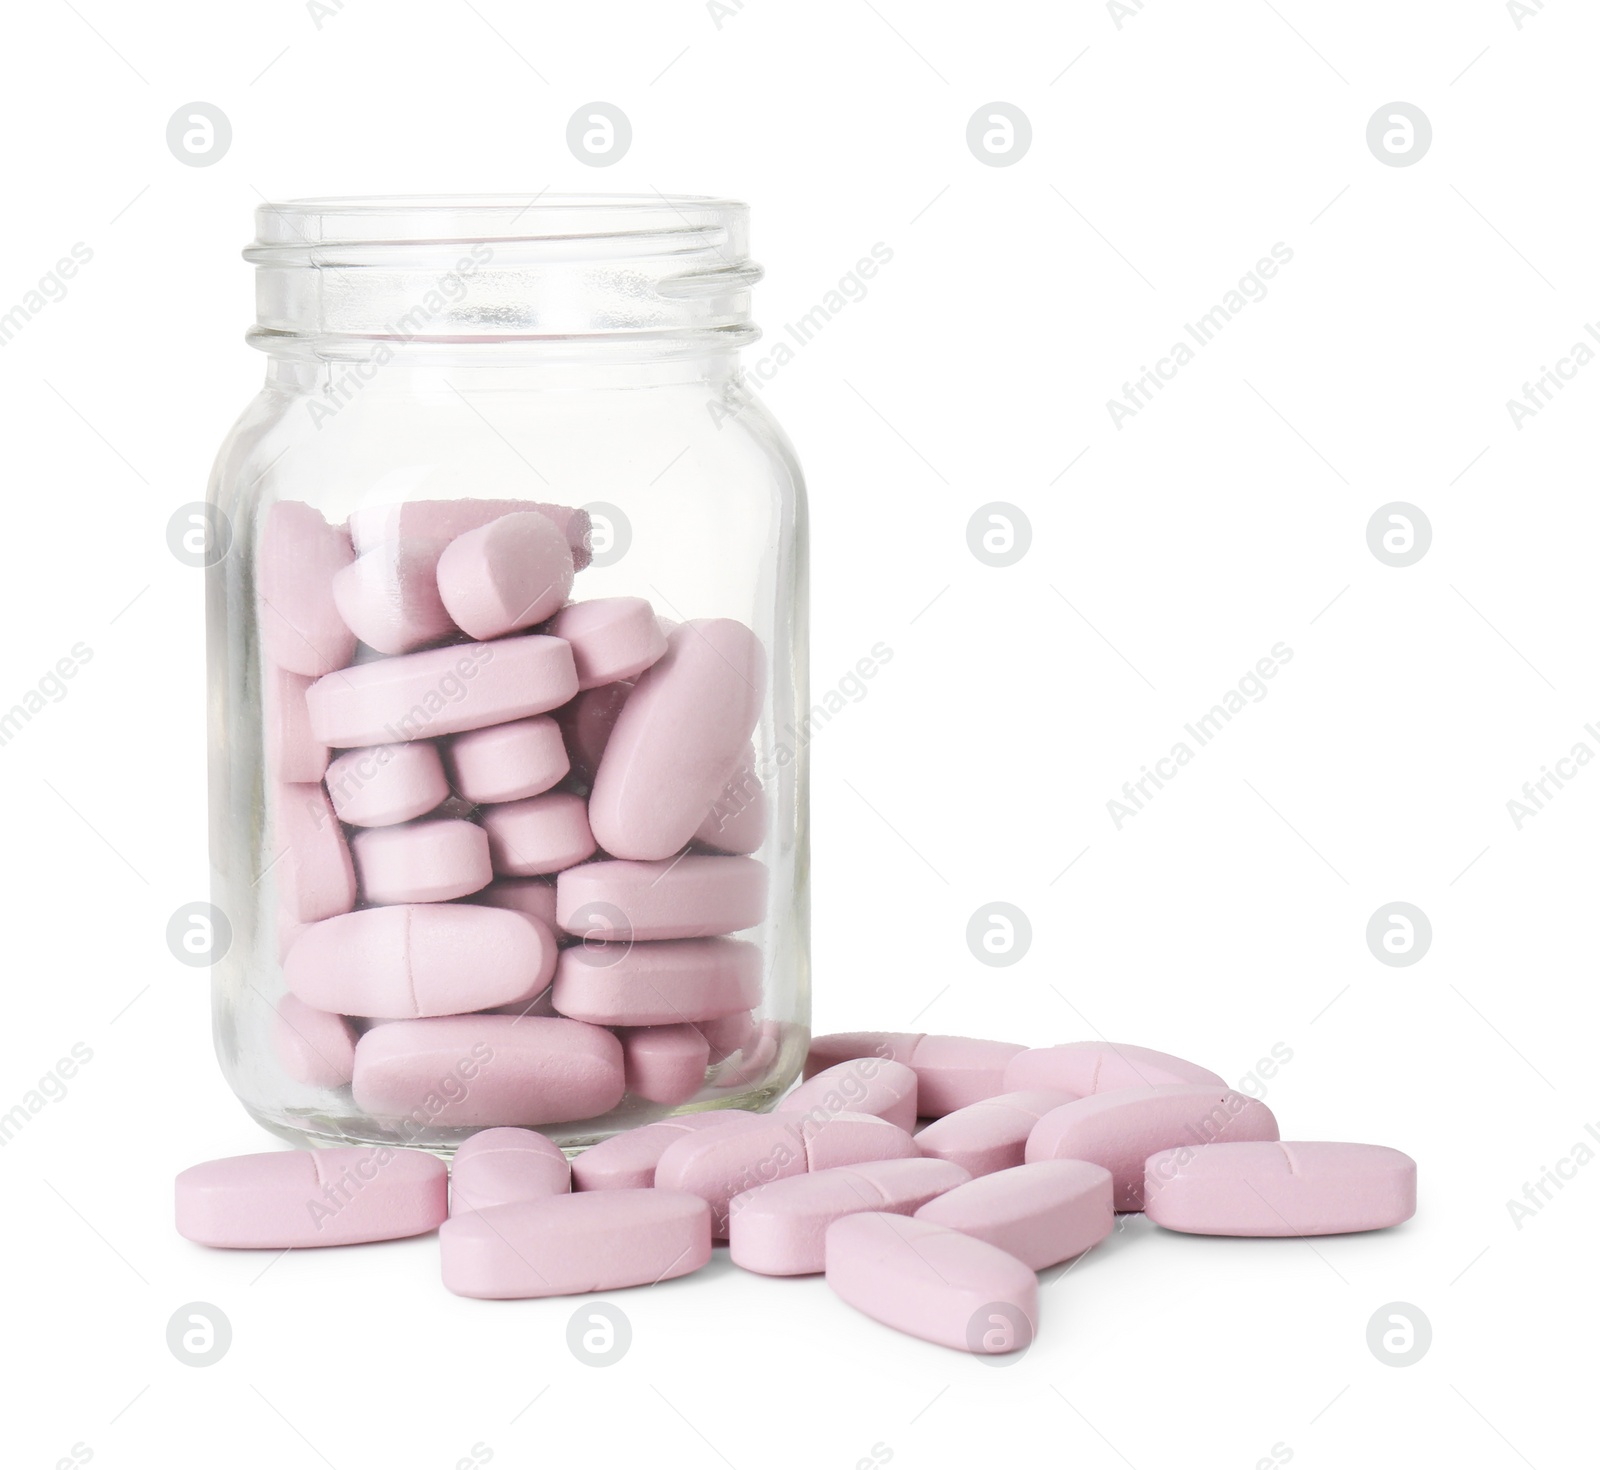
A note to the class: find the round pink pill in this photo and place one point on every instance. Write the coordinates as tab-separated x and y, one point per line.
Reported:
421	862
542	834
612	638
664	1064
658	983
314	1047
586	725
389	599
679	898
508	762
510	574
506	1166
380	785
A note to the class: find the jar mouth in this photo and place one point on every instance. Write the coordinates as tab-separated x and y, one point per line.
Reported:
438	268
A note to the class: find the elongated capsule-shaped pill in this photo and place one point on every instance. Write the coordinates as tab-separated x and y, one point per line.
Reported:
506	1166
952	1071
332	1196
1279	1188
1042	1213
575	1243
884	1089
987	1136
1087	1067
1121	1129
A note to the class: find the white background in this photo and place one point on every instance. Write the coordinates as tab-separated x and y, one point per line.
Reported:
1169	154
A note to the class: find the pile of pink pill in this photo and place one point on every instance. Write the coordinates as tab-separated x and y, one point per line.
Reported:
1022	1160
468	772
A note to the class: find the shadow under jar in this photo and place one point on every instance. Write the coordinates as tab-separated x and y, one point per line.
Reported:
507	670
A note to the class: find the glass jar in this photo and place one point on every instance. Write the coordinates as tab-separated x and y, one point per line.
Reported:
507	655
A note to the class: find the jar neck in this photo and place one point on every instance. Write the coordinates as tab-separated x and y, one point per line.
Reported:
597	280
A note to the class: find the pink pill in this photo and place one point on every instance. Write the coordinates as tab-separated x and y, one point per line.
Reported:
575	1244
505	576
628	1160
299	556
506	1166
293	753
727	1034
314	1047
316	877
541	834
933	1282
508	762
441	691
952	1071
381	785
1121	1129
421	862
678	739
388	597
488	1071
680	898
419	959
988	1136
1087	1067
778	1229
664	1064
717	1164
612	638
535	897
658	983
1042	1213
737	821
1279	1189
332	1196
586	725
884	1089
441	521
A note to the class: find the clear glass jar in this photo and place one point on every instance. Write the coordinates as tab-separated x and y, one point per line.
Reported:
466	401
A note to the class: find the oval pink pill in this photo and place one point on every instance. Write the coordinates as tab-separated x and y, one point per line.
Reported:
628	1160
717	1165
509	762
506	1166
505	576
1087	1067
381	785
421	862
488	1071
612	638
441	691
294	754
778	1229
991	1135
315	1047
298	557
883	1089
1276	1189
679	898
317	878
541	834
333	1196
933	1282
658	983
1042	1213
576	1243
1121	1129
952	1071
678	739
419	960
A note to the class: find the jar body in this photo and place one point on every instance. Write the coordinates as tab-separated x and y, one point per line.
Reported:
394	803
